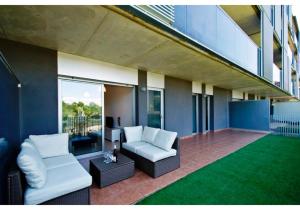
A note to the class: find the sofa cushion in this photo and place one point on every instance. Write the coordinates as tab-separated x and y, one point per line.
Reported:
133	146
60	181
51	145
133	133
154	153
149	134
165	139
59	161
32	165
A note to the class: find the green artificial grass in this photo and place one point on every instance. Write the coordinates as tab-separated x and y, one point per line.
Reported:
264	172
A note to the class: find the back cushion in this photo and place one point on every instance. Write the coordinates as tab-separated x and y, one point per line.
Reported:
133	133
165	139
32	165
51	145
149	134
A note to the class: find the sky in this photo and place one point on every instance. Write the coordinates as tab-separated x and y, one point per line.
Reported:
77	91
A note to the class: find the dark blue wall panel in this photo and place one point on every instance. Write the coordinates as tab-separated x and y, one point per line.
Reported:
178	106
221	108
252	115
9	124
9	106
36	68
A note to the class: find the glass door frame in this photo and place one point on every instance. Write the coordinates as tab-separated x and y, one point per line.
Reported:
101	84
207	102
197	112
162	106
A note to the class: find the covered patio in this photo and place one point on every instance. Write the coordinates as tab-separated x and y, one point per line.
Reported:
196	152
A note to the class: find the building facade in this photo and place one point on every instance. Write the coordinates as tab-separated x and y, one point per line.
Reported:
189	69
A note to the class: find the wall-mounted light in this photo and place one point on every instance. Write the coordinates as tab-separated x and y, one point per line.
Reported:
143	89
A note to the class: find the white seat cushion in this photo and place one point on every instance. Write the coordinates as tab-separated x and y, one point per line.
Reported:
133	146
32	165
59	161
133	133
60	181
51	145
149	134
154	153
165	139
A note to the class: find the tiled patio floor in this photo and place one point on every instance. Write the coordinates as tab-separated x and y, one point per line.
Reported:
196	152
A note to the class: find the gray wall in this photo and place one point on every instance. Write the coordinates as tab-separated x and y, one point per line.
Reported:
221	108
252	115
178	106
118	102
141	99
36	68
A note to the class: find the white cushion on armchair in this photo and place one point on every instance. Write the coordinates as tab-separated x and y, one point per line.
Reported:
51	145
149	134
165	139
133	133
32	165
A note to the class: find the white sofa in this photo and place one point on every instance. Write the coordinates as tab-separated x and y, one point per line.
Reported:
52	172
155	151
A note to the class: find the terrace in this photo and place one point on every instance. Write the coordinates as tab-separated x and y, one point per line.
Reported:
196	152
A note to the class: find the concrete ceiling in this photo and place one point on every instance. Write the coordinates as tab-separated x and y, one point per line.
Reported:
246	17
100	33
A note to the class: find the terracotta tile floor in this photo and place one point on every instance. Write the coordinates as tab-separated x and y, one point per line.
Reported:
196	152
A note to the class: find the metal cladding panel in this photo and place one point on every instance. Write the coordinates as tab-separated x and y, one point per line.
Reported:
278	20
267	48
285	29
252	115
285	71
202	24
268	11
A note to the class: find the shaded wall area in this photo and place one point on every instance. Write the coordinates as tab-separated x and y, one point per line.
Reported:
141	99
9	124
178	106
221	100
252	115
36	69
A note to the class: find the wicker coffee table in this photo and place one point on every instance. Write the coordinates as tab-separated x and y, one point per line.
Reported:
105	174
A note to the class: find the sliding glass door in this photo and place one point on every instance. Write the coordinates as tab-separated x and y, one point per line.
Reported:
155	108
81	115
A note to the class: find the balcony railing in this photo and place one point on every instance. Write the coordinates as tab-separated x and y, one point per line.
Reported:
81	125
285	125
214	28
